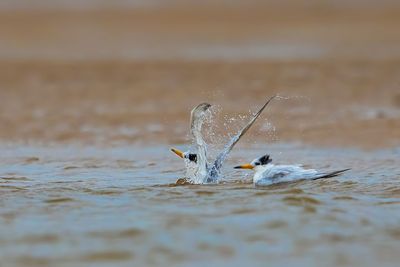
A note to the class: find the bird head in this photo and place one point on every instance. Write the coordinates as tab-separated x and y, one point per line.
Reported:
257	163
185	155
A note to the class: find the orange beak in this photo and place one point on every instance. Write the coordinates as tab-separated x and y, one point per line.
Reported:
178	152
245	166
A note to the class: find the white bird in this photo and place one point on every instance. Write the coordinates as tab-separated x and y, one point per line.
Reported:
267	173
198	169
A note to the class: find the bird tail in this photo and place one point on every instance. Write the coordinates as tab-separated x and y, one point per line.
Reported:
330	175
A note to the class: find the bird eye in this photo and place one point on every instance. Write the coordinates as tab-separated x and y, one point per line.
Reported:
257	163
193	157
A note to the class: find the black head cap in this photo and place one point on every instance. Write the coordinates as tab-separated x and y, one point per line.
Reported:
192	157
264	160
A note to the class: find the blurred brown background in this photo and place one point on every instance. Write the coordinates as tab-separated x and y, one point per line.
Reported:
105	72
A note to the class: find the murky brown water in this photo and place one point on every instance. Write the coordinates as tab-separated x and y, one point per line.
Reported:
70	205
93	95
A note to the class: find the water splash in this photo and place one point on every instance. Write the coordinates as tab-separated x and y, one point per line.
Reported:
201	171
295	97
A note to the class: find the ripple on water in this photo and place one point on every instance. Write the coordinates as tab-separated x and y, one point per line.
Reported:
125	164
243	211
101	192
160	254
40	239
393	233
262	193
181	221
345	198
224	251
393	191
260	238
390	202
33	261
12	188
338	210
338	238
301	200
8	217
179	182
70	167
108	256
30	160
130	233
270	191
59	200
170	195
275	224
310	209
294	191
348	185
205	193
15	178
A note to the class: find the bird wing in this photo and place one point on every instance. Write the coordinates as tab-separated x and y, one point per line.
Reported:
229	146
292	173
330	175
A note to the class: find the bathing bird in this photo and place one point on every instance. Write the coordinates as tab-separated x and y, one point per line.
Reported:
267	173
198	169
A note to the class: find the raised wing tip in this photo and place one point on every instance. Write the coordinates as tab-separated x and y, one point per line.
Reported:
202	107
228	147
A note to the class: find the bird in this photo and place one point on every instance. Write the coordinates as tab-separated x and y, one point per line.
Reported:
198	169
267	173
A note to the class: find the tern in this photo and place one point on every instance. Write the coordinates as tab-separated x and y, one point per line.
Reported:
267	173
198	169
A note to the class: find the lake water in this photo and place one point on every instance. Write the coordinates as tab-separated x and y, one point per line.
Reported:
91	206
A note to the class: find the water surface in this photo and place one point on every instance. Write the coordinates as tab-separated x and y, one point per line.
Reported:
91	206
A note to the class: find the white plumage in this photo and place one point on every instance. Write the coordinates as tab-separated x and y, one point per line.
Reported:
267	173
